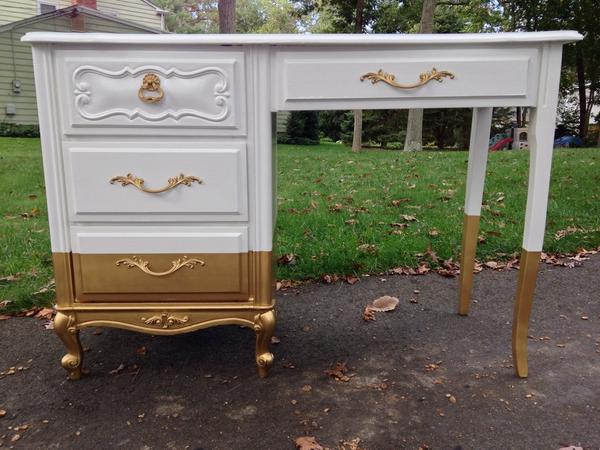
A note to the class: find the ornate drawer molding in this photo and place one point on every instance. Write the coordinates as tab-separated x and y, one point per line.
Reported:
84	92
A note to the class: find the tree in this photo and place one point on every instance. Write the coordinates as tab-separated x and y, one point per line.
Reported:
226	16
414	126
358	115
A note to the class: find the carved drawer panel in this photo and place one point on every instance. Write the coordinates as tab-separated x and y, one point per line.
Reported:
151	92
166	264
403	77
150	182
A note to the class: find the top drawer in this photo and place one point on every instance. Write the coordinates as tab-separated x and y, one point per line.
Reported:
349	78
143	91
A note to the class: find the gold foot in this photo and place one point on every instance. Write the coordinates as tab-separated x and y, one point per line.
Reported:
264	325
527	276
64	326
467	263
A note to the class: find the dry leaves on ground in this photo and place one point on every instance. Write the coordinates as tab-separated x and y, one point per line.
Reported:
381	304
338	371
351	445
307	443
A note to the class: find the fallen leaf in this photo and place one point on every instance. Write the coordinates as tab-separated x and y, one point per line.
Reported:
45	313
2	413
15	438
367	248
307	443
397	202
408	218
351	280
4	317
368	313
338	372
275	340
141	350
385	303
287	260
433	232
9	278
451	398
350	445
307	388
118	370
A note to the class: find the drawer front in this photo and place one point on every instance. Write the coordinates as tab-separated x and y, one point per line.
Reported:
147	91
160	264
427	77
140	182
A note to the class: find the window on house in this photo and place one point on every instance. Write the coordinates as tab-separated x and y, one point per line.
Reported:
45	8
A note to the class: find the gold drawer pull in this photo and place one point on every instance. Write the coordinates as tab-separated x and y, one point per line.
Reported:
143	265
139	182
390	79
151	83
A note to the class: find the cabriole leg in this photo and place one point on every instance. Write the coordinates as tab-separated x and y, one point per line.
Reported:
64	326
478	154
264	325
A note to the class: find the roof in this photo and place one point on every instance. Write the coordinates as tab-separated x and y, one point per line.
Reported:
158	9
302	39
74	10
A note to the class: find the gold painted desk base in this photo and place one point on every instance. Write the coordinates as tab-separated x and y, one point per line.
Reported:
165	318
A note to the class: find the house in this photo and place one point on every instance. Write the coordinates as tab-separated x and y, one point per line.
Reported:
17	92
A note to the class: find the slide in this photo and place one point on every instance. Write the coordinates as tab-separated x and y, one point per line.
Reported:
501	144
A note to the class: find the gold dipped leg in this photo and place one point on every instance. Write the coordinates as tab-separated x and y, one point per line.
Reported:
527	277
64	326
264	326
467	262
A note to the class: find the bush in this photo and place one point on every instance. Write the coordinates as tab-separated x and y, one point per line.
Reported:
16	130
302	129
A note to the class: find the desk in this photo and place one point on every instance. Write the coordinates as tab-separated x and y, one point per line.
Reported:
159	161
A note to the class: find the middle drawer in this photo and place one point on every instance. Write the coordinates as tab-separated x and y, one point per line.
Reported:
141	182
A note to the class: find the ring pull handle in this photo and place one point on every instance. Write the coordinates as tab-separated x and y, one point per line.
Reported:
172	183
151	83
424	78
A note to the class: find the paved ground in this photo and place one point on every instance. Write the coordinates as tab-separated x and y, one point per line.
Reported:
201	391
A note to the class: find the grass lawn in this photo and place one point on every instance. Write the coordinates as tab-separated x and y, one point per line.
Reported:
339	212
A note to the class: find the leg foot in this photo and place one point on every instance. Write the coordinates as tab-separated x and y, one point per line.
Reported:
467	262
527	278
264	325
64	326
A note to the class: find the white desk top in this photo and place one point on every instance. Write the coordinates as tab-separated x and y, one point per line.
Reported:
304	39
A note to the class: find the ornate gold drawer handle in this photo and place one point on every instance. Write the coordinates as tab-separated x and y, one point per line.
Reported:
390	79
144	265
165	320
171	183
151	83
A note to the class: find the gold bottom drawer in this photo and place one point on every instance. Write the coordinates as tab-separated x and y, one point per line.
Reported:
161	277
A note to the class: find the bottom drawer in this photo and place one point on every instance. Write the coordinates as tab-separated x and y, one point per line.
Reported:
191	264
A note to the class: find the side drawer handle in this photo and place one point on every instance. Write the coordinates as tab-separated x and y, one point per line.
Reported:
139	182
151	83
144	265
390	78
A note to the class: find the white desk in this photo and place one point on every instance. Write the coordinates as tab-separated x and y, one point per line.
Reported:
191	246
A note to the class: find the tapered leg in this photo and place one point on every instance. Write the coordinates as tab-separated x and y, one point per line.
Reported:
541	142
64	326
264	325
478	153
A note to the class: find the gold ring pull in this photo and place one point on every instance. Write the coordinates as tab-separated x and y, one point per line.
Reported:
144	265
139	182
151	83
390	79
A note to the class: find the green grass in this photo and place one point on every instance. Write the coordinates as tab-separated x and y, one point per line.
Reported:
335	210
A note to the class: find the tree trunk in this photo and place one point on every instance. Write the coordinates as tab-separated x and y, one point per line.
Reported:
357	135
582	92
226	16
414	126
358	28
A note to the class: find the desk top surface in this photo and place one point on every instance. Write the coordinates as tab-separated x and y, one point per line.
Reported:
305	39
